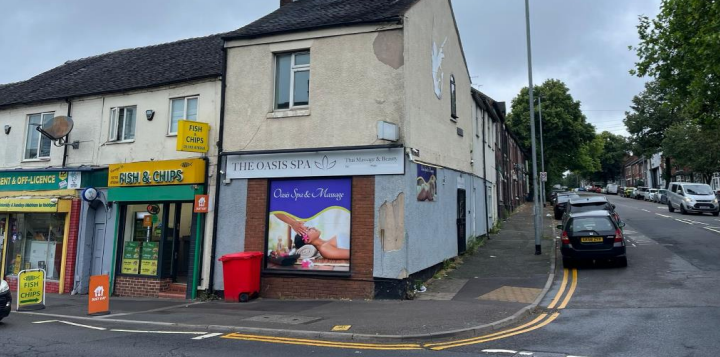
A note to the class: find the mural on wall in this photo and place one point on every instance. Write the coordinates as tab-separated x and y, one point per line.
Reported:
309	225
437	73
426	183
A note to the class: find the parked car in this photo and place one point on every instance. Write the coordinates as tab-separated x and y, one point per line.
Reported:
582	189
611	189
621	191
651	195
5	299
560	203
630	192
592	235
692	198
588	204
662	196
640	193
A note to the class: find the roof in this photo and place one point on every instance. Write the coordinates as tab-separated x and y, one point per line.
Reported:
303	15
595	199
598	213
123	70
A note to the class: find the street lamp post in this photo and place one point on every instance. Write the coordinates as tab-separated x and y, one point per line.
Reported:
542	155
536	206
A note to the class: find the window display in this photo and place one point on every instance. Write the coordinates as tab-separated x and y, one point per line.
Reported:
35	241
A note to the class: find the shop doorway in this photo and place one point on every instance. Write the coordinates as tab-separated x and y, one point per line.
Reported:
461	222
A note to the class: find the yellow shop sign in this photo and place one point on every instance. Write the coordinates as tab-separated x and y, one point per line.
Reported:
154	173
28	205
193	136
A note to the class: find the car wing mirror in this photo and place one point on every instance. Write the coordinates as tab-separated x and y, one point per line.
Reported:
621	224
559	226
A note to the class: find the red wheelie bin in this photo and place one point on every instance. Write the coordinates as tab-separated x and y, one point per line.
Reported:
241	273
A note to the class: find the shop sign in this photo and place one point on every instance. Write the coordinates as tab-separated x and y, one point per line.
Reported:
28	205
153	173
39	181
309	225
131	258
149	263
31	290
318	163
99	295
426	183
202	204
193	136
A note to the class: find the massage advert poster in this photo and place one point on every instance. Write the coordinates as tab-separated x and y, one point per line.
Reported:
426	183
309	225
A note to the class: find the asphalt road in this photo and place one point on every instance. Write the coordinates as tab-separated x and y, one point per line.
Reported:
665	303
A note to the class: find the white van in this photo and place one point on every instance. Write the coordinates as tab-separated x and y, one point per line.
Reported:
611	189
692	197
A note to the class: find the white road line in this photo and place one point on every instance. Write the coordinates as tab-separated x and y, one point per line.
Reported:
646	210
207	336
44	322
705	224
714	229
686	222
634	245
662	207
81	325
161	332
662	215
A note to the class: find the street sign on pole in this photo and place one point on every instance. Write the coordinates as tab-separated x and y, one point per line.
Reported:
31	290
543	176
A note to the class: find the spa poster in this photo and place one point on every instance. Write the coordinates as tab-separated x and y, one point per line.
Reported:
426	183
309	225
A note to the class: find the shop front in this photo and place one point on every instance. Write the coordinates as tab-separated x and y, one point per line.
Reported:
158	234
39	214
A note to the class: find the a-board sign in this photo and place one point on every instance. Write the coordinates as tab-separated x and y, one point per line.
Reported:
31	290
99	295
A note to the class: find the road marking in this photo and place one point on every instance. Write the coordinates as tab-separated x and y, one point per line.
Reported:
662	215
207	336
714	229
321	343
662	207
499	351
44	322
161	332
683	221
571	291
529	324
704	224
341	327
81	325
646	210
561	290
633	244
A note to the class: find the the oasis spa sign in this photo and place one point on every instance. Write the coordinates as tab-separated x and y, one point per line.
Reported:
319	163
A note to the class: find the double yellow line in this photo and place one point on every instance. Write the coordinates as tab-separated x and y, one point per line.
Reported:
539	322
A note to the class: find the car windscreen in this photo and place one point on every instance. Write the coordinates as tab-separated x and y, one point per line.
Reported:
589	207
596	224
698	190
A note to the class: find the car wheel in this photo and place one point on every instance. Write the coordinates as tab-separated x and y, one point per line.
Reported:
716	213
567	263
682	209
622	262
671	208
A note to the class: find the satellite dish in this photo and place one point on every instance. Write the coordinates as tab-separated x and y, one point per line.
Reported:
56	128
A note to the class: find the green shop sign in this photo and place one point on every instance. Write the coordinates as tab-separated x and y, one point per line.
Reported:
39	181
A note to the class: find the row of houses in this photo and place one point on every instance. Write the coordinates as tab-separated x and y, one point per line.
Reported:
651	172
341	139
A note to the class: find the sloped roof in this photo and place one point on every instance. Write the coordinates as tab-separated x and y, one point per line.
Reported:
122	70
303	15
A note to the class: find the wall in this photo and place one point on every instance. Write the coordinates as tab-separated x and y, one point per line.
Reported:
354	83
232	215
11	156
428	124
92	247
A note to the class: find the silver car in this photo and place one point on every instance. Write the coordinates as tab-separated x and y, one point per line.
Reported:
692	198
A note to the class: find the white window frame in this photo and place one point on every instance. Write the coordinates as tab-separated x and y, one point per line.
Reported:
293	69
185	99
40	136
114	115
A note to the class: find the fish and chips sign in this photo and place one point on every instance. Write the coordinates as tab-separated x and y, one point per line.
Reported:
155	173
31	290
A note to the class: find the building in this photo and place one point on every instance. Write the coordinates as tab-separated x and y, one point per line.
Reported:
360	130
130	108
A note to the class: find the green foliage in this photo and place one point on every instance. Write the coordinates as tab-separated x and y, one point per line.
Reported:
693	147
680	49
611	158
652	114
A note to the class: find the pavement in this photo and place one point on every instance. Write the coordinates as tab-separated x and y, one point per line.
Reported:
498	285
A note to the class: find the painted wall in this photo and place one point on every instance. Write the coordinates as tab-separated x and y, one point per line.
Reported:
356	80
232	213
95	250
13	144
428	125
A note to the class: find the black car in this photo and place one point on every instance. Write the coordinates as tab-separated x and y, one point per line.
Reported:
5	299
592	235
591	203
560	201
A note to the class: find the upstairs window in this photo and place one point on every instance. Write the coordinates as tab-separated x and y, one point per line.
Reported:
122	124
182	109
37	147
292	80
453	98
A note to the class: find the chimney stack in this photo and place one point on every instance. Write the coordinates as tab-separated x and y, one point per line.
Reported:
285	2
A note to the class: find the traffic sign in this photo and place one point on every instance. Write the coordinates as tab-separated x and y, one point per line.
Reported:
31	290
99	295
543	176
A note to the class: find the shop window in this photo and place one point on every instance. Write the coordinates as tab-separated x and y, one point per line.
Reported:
35	241
122	124
292	80
37	147
182	109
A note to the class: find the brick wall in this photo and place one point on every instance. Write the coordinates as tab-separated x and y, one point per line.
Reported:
51	287
139	286
359	285
72	245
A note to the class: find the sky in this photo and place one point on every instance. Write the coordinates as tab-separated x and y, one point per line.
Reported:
581	42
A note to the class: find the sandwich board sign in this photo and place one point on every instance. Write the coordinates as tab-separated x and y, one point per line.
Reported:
31	290
99	295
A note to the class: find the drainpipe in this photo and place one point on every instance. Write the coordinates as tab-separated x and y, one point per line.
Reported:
67	137
218	166
484	144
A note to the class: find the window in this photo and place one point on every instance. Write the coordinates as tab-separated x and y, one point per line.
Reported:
36	145
292	80
453	98
122	124
35	241
182	109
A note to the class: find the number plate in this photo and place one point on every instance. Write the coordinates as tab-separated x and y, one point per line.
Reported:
591	240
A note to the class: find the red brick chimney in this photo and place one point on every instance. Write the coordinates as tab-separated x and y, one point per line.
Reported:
285	2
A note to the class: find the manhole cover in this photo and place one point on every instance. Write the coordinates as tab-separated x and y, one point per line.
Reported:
283	319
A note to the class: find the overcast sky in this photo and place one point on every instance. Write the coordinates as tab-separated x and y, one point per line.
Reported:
581	42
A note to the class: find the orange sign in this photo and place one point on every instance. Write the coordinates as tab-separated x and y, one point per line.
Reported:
99	295
147	221
202	203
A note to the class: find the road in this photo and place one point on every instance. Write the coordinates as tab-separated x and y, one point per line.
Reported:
665	303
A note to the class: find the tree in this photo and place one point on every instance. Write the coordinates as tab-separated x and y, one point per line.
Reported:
611	158
690	146
566	133
680	49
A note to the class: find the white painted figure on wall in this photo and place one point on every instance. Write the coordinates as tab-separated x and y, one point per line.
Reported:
437	56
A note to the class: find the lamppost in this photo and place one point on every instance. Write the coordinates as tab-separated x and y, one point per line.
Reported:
536	206
542	155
